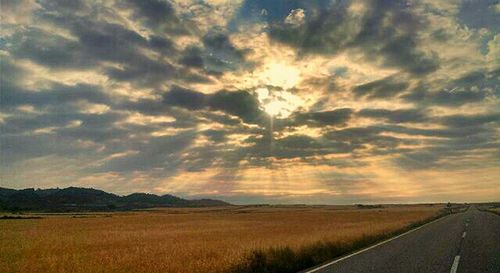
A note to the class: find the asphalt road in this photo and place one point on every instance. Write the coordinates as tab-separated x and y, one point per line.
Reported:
459	243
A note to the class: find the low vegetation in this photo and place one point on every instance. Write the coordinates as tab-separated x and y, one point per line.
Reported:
181	240
495	210
490	207
288	260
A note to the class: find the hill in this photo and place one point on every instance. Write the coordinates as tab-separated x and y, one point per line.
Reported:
88	199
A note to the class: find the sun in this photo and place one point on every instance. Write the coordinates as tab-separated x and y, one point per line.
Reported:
278	103
276	108
278	74
275	97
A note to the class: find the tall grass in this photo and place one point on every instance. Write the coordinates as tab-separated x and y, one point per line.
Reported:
287	260
195	240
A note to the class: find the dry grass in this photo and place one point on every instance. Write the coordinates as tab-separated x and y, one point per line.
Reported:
183	240
495	210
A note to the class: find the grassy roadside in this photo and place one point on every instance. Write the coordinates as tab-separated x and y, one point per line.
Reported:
285	259
189	240
494	210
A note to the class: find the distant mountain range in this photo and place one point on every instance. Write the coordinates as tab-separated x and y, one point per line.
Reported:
88	199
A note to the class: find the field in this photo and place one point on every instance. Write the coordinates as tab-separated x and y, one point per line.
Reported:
495	210
185	240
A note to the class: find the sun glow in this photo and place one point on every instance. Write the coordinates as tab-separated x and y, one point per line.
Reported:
278	103
282	75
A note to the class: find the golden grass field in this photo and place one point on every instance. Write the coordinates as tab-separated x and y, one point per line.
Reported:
183	240
495	210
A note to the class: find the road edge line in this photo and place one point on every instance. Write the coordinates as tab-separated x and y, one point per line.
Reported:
372	246
454	267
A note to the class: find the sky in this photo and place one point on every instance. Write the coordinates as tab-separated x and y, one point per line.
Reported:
253	101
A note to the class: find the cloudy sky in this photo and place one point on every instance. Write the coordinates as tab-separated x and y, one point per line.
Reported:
312	101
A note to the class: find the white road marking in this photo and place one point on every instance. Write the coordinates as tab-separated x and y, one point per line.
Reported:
373	246
454	267
463	235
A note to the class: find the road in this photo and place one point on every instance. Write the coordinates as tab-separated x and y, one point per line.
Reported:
459	243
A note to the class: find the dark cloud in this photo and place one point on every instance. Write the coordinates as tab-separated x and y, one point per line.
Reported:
337	117
457	98
293	146
391	28
359	137
60	122
17	148
221	53
449	146
452	153
387	31
472	87
20	139
112	42
158	15
158	152
445	98
192	57
57	95
216	56
395	116
383	88
95	127
27	123
162	44
448	132
222	118
299	142
178	96
237	103
215	135
479	14
98	42
47	49
459	121
321	33
101	43
402	52
64	6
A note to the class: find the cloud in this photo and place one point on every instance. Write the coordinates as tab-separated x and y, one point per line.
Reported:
58	94
459	121
47	49
189	99
109	45
162	95
238	103
296	17
158	16
479	14
386	31
383	88
473	87
16	148
395	116
159	152
337	117
261	149
358	137
192	57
